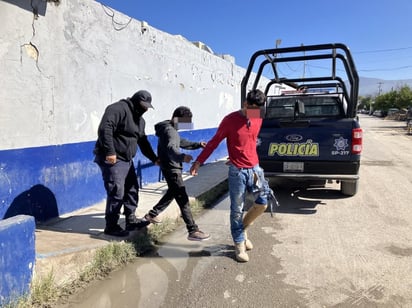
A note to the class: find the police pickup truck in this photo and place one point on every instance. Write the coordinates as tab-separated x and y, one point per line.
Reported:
310	131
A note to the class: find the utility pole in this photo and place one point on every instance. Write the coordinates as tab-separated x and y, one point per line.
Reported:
380	83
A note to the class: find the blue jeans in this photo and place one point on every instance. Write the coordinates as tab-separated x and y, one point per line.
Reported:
241	181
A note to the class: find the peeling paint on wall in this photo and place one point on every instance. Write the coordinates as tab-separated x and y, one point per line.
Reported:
31	51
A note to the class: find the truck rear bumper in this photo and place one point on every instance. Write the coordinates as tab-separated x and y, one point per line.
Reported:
312	176
314	170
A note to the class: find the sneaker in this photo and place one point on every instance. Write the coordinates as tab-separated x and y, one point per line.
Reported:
198	236
116	231
153	220
136	225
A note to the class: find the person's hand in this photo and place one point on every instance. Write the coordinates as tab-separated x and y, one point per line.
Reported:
187	158
111	159
195	167
203	144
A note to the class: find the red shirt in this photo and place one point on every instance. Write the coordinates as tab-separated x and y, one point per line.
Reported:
240	137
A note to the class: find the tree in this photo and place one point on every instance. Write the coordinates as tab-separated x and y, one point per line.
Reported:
400	98
404	99
365	102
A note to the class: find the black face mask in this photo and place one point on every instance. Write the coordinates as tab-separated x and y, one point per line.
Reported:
140	110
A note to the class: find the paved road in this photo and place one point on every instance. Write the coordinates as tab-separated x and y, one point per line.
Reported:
320	249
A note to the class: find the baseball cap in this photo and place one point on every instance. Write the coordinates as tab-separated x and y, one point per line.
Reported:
144	98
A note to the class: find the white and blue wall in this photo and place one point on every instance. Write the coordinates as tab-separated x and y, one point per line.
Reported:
60	66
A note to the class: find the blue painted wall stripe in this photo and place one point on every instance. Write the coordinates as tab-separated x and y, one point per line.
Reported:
49	181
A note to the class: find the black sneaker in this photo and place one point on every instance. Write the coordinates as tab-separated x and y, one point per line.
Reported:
116	231
136	224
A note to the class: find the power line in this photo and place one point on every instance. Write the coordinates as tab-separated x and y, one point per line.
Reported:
116	25
365	70
385	69
383	50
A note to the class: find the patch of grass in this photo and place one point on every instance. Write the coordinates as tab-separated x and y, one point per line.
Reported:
156	232
44	290
106	259
196	206
142	242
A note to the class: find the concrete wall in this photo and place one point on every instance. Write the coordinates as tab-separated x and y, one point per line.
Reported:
60	66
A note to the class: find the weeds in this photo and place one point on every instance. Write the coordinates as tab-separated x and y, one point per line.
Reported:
43	292
106	259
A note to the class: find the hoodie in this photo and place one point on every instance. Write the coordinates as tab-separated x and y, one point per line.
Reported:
121	130
169	144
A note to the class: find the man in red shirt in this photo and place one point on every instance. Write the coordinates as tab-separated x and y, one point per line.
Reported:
241	129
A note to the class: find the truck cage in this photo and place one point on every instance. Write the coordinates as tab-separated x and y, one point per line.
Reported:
271	57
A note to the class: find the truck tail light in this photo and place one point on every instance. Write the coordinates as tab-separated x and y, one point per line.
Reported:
357	140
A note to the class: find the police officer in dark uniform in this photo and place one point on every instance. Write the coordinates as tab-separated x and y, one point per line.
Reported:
121	130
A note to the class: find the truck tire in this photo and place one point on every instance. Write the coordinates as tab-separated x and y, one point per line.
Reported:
349	188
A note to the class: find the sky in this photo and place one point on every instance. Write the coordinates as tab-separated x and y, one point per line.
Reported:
378	32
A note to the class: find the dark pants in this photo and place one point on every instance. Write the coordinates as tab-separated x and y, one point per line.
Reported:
176	190
120	182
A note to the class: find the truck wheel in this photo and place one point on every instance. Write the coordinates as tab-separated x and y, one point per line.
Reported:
349	188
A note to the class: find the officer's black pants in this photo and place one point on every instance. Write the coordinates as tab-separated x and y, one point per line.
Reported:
120	182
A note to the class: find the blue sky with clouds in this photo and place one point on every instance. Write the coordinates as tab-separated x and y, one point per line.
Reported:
377	32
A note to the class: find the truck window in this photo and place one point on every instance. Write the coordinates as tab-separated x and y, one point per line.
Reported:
314	106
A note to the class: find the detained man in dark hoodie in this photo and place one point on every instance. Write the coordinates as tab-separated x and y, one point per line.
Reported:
171	159
121	131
